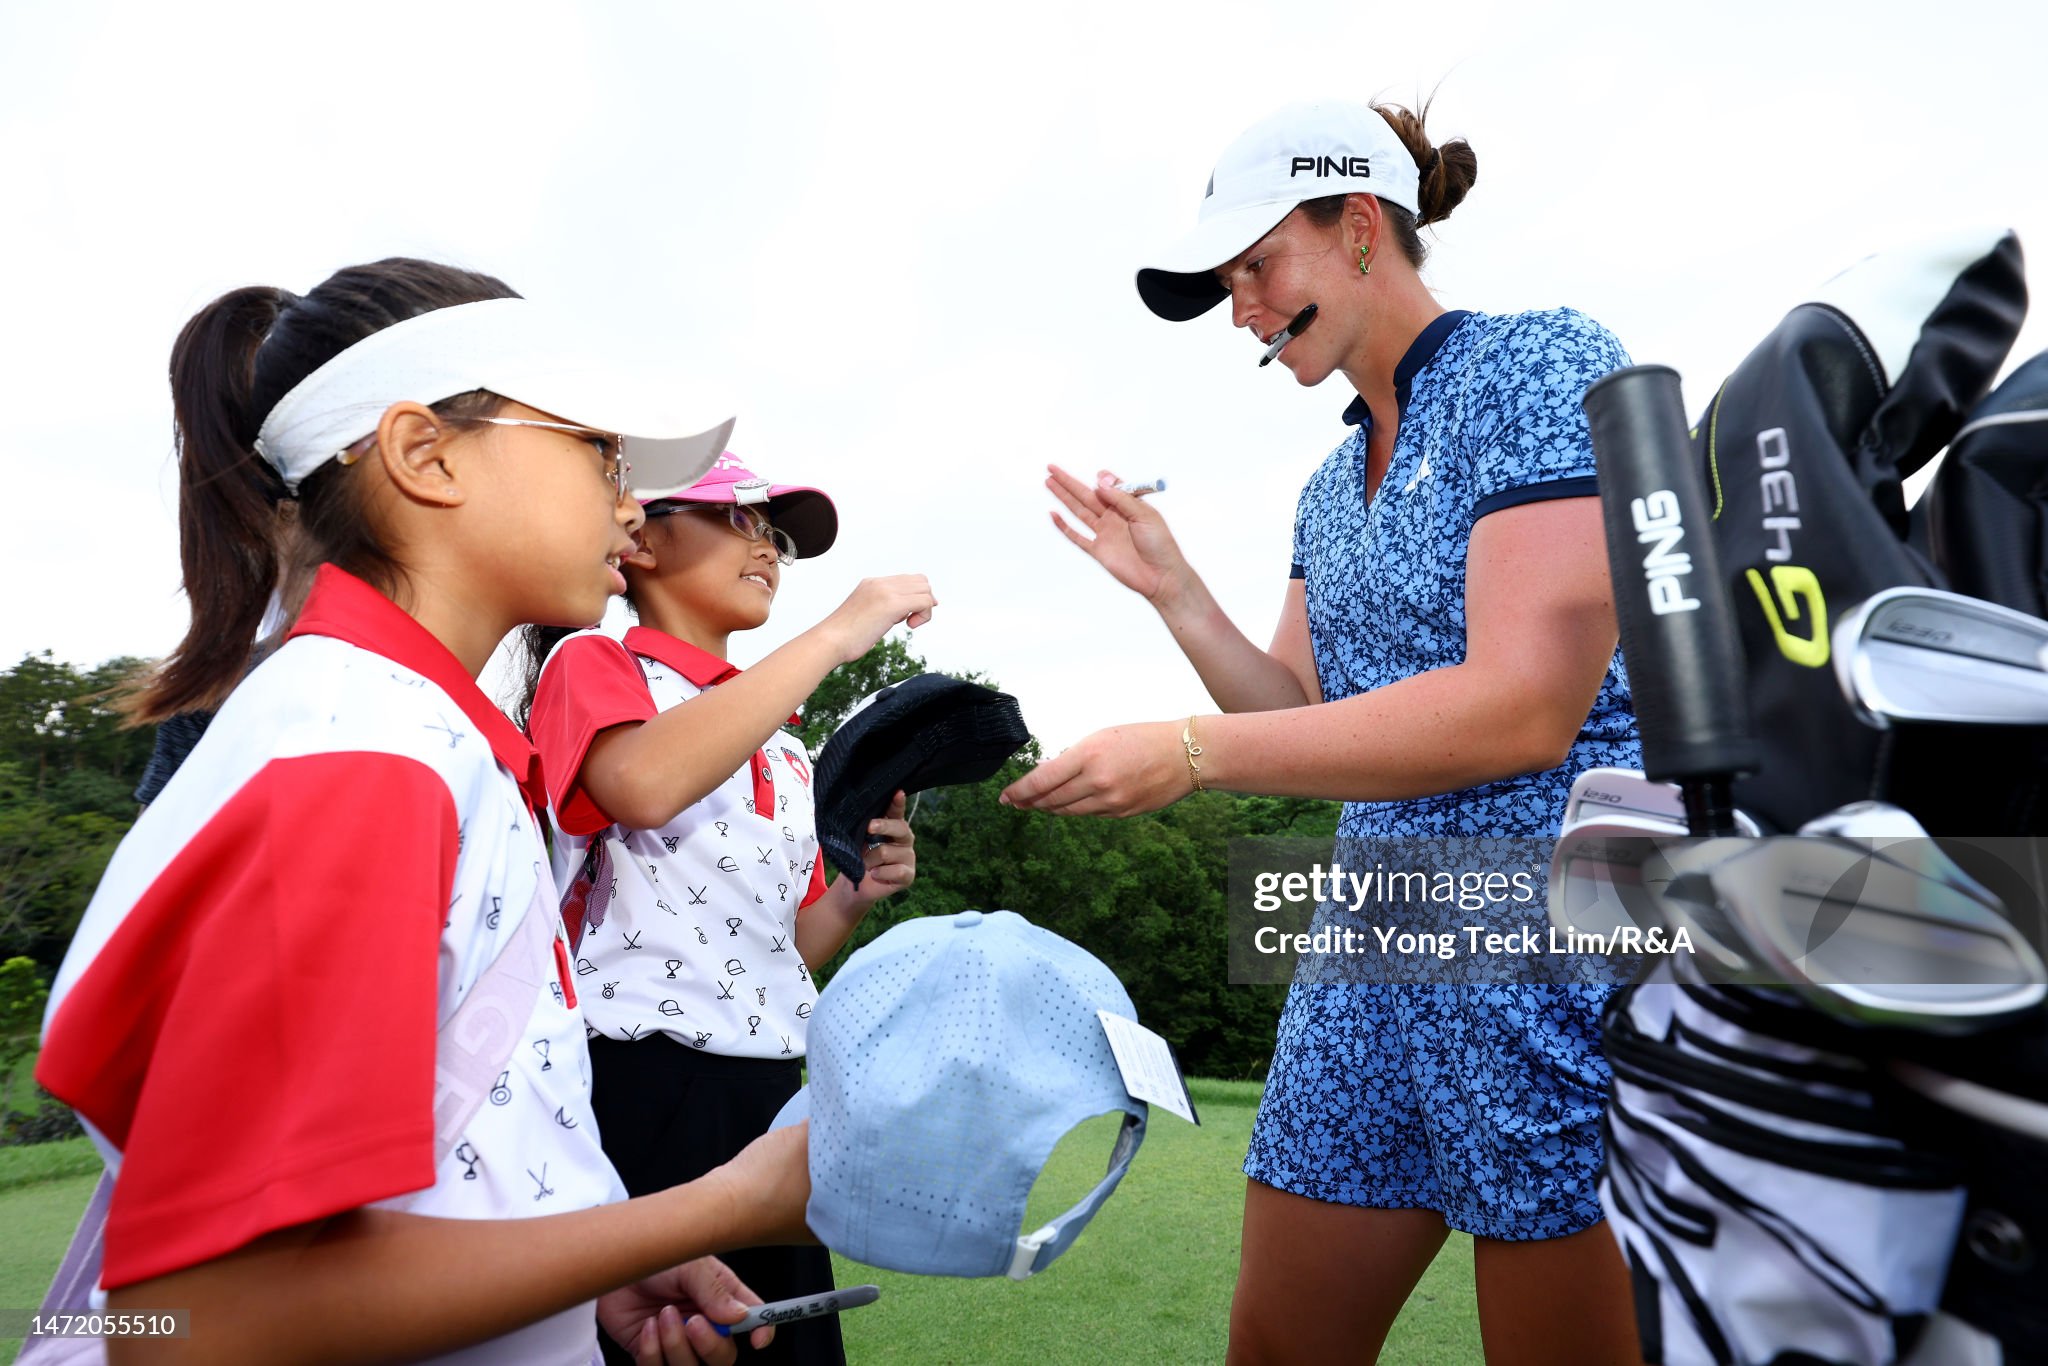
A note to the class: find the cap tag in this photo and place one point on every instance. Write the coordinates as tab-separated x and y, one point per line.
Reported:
1146	1061
1024	1256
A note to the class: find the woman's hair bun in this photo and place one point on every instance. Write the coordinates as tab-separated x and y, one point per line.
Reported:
1446	172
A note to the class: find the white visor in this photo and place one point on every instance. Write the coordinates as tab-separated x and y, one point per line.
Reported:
570	369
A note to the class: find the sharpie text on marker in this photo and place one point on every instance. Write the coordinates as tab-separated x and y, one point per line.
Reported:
802	1307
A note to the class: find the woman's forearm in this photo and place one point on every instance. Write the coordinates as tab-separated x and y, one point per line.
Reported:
1239	675
1439	731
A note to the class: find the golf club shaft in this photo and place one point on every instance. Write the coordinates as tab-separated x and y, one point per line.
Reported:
1678	633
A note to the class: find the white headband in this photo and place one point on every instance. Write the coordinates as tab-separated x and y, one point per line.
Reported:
514	348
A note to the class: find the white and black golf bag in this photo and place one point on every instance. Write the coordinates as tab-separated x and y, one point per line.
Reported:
1792	1185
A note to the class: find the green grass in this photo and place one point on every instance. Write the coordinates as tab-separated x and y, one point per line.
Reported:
37	1162
1149	1281
38	1220
18	1089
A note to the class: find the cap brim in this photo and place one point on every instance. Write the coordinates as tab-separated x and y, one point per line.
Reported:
806	514
574	371
668	447
794	1112
1183	284
809	518
673	462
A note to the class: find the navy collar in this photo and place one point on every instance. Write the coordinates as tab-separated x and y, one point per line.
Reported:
1420	353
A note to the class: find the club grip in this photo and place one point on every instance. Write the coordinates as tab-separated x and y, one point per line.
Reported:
1678	632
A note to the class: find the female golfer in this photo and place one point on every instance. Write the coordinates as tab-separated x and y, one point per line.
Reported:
1445	663
319	1017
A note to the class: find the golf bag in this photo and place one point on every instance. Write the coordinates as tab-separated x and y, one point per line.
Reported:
1803	450
1983	518
1789	1187
1985	524
1762	1184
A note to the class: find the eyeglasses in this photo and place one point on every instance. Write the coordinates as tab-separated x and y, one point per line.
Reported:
611	448
744	523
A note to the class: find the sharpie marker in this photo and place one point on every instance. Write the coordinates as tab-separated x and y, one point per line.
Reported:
1140	490
802	1307
1289	333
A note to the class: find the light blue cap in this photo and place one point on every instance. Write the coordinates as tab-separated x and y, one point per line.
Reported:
947	1058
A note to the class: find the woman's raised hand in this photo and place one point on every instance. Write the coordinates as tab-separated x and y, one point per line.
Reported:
1127	536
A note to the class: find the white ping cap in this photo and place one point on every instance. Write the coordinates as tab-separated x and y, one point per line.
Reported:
1305	151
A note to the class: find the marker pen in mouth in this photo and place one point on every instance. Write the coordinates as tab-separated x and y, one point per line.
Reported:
1289	333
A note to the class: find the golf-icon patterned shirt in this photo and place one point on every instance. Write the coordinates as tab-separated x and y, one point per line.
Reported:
694	932
247	1019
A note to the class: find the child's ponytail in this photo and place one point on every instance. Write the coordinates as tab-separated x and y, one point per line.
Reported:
227	501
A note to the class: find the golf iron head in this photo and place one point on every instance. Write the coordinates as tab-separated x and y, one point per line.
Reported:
1604	870
1862	915
1931	656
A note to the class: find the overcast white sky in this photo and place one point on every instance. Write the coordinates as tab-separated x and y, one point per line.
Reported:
901	239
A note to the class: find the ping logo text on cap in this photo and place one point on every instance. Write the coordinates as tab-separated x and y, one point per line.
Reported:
1359	167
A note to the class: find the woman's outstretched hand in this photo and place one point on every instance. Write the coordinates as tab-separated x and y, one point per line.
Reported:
1126	535
1122	771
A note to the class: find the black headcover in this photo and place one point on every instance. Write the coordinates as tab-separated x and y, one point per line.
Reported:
927	731
1804	448
1986	512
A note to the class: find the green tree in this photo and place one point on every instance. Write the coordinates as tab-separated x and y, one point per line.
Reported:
23	995
69	763
890	661
28	1114
22	998
56	719
50	861
32	723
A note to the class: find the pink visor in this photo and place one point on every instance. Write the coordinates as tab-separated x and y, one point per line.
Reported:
805	513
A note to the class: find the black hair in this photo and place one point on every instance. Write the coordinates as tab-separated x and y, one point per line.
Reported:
231	364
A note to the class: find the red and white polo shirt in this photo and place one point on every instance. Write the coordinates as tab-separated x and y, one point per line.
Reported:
247	1018
697	938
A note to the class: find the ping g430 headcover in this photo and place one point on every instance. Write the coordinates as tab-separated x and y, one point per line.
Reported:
1804	449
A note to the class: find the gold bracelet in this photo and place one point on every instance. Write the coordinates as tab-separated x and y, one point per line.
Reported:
1187	740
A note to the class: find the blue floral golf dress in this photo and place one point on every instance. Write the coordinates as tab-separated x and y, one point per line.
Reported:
1480	1099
